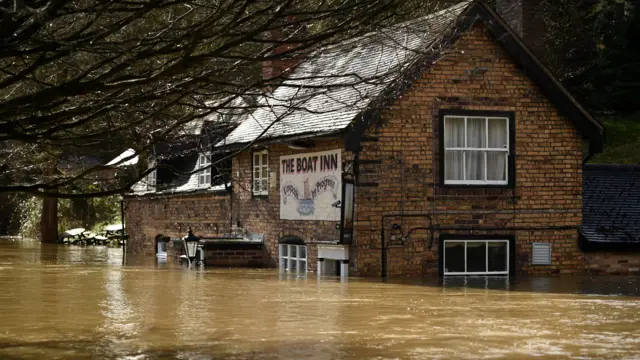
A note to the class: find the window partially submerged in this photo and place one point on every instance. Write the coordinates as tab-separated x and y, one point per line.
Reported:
476	257
292	254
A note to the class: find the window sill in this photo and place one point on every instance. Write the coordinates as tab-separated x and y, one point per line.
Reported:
478	186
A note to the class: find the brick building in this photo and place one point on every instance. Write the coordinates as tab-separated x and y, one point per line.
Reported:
438	146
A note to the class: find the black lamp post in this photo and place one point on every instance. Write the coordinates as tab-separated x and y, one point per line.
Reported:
190	245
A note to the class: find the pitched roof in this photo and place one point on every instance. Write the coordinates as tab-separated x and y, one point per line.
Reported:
611	204
324	93
338	85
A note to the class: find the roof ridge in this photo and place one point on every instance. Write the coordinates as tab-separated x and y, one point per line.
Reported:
393	27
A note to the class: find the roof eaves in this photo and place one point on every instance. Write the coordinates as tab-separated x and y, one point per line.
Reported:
277	140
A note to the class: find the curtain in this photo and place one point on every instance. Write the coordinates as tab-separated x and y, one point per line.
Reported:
453	138
497	160
476	138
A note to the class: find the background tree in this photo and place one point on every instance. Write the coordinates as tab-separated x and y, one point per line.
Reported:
591	46
89	77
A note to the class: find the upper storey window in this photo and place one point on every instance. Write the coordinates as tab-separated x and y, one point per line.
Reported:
204	176
261	173
477	149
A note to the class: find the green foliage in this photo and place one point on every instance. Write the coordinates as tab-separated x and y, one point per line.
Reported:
30	210
592	47
622	141
91	214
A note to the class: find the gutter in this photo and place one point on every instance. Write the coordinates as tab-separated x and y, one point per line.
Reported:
276	140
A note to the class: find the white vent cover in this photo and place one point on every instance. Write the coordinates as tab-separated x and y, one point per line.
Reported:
540	253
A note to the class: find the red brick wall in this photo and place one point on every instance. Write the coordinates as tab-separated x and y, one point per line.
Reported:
612	263
172	215
548	166
547	192
213	215
235	257
262	215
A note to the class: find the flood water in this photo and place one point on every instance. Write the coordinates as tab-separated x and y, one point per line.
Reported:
67	302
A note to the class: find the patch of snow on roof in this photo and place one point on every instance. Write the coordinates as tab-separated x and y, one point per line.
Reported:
325	92
118	161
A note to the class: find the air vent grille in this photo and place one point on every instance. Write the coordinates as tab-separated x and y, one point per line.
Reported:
541	254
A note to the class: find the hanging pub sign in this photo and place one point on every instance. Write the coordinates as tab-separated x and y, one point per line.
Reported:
310	186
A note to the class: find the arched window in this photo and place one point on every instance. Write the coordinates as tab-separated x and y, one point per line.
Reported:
292	254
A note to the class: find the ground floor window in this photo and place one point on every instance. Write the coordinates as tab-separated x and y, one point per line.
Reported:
293	258
476	257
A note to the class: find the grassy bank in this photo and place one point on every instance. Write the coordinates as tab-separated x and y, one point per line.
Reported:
622	141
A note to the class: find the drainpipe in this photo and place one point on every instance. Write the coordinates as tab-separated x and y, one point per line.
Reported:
124	248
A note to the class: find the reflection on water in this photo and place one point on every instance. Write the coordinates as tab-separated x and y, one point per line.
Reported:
66	302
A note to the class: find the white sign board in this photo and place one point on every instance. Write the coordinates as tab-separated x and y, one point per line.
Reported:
309	185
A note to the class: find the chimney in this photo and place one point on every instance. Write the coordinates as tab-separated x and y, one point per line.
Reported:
279	67
526	18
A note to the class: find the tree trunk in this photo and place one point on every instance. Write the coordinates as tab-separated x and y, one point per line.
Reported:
49	220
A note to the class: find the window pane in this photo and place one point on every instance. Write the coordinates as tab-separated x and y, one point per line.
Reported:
264	159
207	179
454	256
497	256
256	160
294	265
496	166
476	133
265	172
476	257
283	250
453	165
302	252
256	173
264	185
475	165
498	136
453	132
303	266
256	186
293	251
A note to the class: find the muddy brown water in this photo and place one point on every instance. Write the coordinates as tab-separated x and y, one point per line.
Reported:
68	302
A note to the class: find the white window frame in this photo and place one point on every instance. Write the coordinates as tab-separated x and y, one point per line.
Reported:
286	261
259	167
204	160
486	263
151	180
161	249
464	149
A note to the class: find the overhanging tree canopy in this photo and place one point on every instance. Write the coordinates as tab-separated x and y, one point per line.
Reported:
90	77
